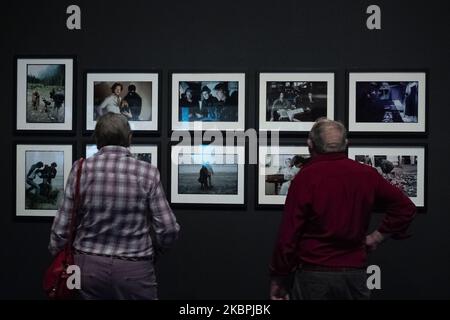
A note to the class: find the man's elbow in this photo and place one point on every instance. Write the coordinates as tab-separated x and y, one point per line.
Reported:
412	210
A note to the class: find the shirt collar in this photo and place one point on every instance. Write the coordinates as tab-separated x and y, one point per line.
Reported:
114	149
328	156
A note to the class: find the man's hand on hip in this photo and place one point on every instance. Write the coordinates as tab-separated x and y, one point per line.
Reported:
278	290
373	240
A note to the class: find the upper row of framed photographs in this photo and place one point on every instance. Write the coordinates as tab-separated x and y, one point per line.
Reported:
289	101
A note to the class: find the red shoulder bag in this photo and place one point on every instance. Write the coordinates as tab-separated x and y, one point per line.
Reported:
55	278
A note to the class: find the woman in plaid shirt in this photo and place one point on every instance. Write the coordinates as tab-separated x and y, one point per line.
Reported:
122	205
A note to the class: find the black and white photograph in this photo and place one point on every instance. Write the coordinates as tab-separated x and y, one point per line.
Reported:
134	95
278	166
44	94
147	153
403	167
387	102
208	101
41	175
207	175
294	101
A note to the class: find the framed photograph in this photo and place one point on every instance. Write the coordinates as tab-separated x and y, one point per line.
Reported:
207	174
277	167
41	175
208	101
402	166
147	153
44	94
387	102
294	101
135	95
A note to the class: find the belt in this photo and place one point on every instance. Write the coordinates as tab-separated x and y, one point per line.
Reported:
313	267
144	258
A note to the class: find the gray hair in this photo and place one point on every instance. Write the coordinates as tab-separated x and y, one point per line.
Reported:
112	129
324	144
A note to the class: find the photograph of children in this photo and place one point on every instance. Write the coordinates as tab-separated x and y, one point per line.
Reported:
387	102
212	101
41	175
201	176
294	101
402	168
208	101
44	94
277	169
132	95
147	153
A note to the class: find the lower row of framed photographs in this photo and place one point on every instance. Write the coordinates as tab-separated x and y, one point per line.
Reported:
210	175
393	102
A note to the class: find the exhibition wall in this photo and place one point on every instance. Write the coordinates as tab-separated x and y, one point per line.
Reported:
223	251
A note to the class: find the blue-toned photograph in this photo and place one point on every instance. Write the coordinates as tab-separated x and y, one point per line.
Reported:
385	102
208	101
207	176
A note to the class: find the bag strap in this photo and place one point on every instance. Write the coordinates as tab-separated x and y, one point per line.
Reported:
75	207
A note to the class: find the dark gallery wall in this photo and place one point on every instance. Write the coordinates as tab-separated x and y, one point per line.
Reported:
222	253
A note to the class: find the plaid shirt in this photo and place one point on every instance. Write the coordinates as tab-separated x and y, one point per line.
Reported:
123	202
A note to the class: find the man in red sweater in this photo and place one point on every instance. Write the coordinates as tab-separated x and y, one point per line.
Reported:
322	237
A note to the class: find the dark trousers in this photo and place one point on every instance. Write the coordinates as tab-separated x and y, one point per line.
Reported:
330	285
107	278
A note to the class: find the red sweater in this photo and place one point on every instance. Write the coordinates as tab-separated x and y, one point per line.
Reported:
327	213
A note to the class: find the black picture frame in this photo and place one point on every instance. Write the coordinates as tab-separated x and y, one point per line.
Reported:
393	149
199	201
291	128
152	147
125	77
20	211
383	114
211	77
268	203
47	105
